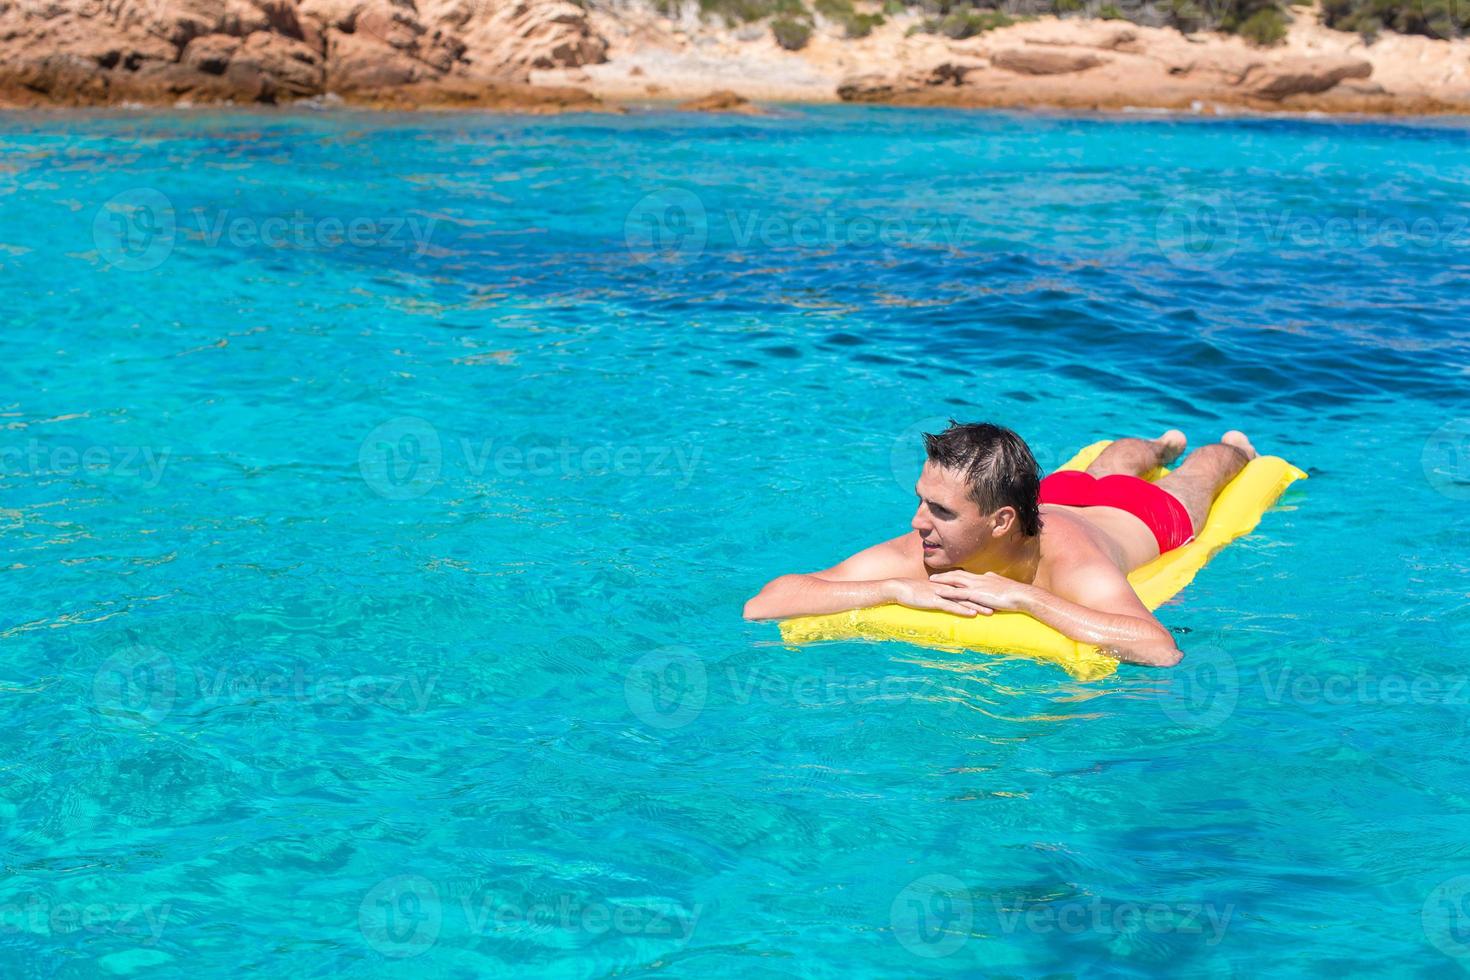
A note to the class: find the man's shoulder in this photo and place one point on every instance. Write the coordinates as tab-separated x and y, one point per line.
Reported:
906	544
898	557
906	552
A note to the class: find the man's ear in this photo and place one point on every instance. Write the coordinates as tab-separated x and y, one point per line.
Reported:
1005	521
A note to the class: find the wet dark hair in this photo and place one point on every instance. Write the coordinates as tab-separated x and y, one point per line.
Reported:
997	464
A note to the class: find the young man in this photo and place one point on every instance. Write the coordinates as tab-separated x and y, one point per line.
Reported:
990	534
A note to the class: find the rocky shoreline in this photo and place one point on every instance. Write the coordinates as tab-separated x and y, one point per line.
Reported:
557	56
438	53
1106	66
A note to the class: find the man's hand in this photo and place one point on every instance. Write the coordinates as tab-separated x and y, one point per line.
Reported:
987	593
918	593
1106	611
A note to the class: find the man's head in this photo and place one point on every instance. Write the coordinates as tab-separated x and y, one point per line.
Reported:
978	489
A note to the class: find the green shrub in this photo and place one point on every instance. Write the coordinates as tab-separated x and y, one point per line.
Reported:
745	11
1369	28
967	23
853	23
1435	18
1185	15
938	9
1264	27
791	34
1260	21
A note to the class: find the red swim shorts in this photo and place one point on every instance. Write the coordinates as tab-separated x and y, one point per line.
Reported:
1158	508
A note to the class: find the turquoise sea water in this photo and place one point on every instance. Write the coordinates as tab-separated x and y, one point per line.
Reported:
380	495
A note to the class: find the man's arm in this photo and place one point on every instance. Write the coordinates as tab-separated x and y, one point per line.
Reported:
1102	610
881	574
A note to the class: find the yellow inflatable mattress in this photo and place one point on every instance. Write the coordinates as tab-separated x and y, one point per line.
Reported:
1236	512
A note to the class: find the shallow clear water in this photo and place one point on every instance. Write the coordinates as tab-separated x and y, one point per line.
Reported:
380	494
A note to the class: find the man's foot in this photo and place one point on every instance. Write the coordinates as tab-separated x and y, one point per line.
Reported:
1171	446
1237	440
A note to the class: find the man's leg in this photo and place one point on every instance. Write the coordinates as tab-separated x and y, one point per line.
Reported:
1201	477
1135	457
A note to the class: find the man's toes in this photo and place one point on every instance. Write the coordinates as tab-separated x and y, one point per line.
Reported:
1171	445
1237	439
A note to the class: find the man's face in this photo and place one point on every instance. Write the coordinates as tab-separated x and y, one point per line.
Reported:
949	522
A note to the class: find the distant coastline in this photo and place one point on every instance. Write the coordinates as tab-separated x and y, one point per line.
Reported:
549	56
